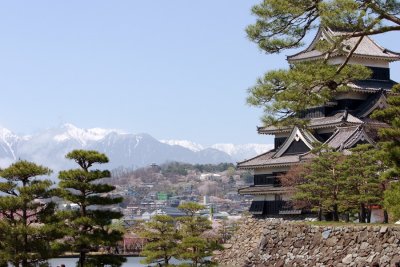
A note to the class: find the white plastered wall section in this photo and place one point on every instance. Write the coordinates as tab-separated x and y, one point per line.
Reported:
371	62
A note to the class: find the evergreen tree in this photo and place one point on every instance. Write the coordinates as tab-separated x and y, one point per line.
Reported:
162	238
323	183
90	226
285	94
363	184
283	24
28	228
193	245
391	144
391	135
392	199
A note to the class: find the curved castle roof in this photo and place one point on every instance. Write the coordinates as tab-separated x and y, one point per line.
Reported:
368	48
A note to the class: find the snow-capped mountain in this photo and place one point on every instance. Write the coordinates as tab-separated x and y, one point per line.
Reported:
8	142
84	136
49	147
244	151
184	143
237	152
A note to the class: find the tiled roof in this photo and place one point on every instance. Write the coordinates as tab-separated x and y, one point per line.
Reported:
297	134
338	119
347	137
367	48
343	138
256	190
374	101
267	160
371	85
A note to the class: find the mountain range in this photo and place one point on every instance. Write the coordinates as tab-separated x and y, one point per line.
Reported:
49	147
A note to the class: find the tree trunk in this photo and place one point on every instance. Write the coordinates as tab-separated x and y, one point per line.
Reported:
347	217
166	260
25	235
362	213
369	213
385	216
335	213
82	258
320	214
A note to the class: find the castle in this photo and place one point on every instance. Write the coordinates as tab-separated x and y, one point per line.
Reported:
341	123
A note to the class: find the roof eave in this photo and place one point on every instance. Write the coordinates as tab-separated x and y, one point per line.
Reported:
252	167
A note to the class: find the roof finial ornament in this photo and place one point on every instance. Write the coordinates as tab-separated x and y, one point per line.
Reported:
345	114
341	147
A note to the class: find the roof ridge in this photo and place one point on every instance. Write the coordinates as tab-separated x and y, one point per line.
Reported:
319	32
259	155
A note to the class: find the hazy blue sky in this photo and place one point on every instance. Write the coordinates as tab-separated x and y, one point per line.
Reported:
174	69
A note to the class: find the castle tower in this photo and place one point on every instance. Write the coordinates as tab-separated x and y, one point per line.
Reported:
341	124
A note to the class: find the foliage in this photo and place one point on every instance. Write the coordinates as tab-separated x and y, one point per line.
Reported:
183	238
90	226
392	197
162	238
391	135
178	168
283	24
391	144
28	228
364	185
285	94
193	245
323	182
291	179
337	183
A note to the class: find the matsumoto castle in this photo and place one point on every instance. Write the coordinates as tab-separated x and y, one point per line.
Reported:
341	124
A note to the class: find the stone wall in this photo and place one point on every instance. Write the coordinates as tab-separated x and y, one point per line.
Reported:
274	242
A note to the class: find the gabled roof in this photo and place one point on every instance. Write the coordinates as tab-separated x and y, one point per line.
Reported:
373	102
277	158
339	119
296	135
347	137
366	49
266	159
342	139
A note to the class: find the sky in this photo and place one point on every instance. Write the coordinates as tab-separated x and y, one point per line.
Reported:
173	69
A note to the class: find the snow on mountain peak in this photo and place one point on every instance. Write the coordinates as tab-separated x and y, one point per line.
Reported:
232	149
5	133
184	143
237	152
84	136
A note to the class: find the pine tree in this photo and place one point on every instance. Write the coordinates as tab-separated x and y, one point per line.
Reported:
391	135
285	94
391	144
28	228
392	199
323	182
162	238
283	24
193	245
90	226
363	184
